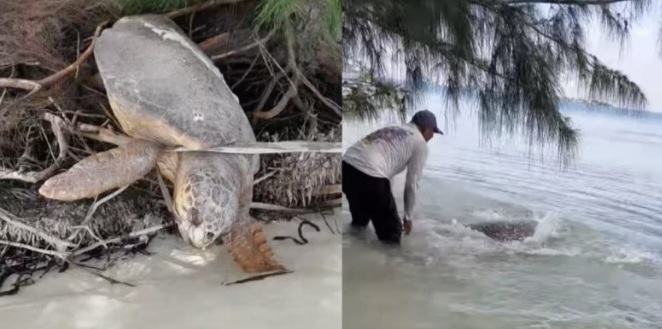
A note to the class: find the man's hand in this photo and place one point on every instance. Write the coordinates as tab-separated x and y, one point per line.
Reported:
407	226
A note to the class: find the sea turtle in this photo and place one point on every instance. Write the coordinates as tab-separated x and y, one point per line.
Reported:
166	92
506	230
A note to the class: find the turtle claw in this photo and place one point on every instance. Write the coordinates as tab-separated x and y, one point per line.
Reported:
249	248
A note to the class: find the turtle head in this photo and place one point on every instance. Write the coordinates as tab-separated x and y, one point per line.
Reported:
206	209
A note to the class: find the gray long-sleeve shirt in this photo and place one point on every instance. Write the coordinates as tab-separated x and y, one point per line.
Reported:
387	152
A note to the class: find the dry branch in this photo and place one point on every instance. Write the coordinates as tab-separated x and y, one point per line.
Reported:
257	180
97	203
291	93
166	196
145	231
247	47
269	89
10	219
326	101
24	84
57	125
35	249
35	86
215	42
199	7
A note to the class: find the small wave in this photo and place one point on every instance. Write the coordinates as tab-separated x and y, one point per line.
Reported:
457	238
629	256
453	241
549	227
488	214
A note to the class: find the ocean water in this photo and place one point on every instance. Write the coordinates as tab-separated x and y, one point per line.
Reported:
595	260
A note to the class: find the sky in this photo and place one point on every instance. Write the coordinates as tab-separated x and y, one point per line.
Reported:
640	59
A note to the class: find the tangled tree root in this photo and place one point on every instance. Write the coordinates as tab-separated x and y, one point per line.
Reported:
54	112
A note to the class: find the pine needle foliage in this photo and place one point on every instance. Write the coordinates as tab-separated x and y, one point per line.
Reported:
136	7
513	55
367	99
327	14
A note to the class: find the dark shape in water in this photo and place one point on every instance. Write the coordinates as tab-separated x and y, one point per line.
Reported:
506	231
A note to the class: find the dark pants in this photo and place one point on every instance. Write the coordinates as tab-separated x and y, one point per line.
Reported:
370	198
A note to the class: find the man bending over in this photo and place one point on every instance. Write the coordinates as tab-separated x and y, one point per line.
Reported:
369	165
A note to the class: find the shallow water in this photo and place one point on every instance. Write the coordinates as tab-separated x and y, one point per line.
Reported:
595	260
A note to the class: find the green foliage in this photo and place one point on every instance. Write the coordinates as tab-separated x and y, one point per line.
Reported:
136	7
333	19
323	16
271	13
513	55
367	99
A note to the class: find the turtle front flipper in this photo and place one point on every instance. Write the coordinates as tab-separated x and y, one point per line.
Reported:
103	171
249	247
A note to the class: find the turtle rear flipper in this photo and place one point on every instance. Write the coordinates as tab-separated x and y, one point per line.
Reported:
249	247
103	171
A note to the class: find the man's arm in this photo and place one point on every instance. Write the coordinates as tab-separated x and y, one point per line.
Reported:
414	172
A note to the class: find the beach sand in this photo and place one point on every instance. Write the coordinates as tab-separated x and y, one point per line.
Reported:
182	287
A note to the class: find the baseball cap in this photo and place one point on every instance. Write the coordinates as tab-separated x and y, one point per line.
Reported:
426	119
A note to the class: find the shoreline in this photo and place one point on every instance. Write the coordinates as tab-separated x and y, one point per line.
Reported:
182	287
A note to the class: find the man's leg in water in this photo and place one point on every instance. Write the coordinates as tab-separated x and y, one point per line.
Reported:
360	217
353	184
384	214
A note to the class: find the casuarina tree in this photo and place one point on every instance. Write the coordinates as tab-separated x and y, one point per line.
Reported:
511	56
